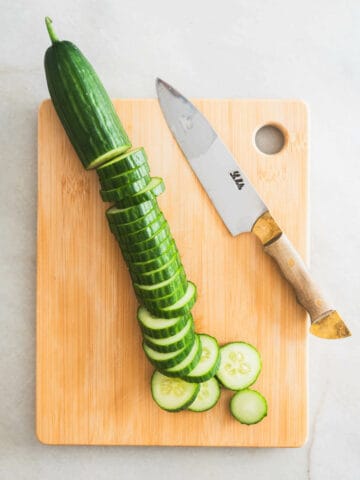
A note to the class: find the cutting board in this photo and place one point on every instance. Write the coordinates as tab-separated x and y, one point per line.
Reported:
92	375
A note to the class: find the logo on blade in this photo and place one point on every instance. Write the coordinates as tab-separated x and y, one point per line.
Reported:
236	176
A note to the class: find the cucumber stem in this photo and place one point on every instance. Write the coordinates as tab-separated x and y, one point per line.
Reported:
52	34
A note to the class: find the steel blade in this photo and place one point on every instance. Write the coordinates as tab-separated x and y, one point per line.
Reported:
233	196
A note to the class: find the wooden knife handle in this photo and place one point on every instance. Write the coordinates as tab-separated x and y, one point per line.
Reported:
325	321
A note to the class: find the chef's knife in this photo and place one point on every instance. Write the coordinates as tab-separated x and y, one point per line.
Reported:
240	206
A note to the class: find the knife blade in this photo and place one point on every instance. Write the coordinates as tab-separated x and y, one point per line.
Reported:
241	207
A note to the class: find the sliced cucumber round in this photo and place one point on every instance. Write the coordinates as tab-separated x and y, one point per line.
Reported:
163	360
172	394
145	244
248	406
150	253
177	281
138	224
154	263
119	193
208	396
154	188
148	231
129	214
156	327
187	364
181	307
240	365
122	163
155	276
173	343
126	177
160	302
209	360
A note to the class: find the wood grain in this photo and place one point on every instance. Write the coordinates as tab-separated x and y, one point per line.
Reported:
92	376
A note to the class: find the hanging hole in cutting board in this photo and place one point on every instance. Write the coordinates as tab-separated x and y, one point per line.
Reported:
269	139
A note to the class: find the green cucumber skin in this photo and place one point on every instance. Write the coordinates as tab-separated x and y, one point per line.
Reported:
173	346
204	378
177	282
165	313
132	227
70	78
122	163
148	254
125	178
164	332
235	414
154	263
165	301
156	276
173	361
145	233
184	406
184	371
141	197
126	191
161	234
129	214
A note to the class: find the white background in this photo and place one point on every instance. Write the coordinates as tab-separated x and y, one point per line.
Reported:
245	48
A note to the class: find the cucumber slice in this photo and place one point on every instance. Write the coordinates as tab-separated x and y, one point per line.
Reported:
150	253
165	301
148	231
156	327
126	177
209	360
248	406
172	394
138	224
161	289
240	365
188	363
122	163
173	343
155	276
147	243
181	307
207	397
119	193
129	214
154	188
154	263
163	360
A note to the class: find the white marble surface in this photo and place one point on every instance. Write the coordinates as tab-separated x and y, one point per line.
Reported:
235	48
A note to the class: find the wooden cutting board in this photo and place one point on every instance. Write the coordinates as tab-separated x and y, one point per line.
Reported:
92	376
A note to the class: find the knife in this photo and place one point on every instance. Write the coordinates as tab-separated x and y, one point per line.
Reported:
227	186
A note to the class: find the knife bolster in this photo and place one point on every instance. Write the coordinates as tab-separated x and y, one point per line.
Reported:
266	229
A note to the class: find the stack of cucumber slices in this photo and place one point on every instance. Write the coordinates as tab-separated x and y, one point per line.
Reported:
188	365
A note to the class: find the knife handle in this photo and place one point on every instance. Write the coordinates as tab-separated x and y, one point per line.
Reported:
325	321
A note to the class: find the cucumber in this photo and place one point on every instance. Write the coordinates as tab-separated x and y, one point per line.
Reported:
119	193
156	327
240	365
122	163
154	188
180	307
131	227
187	364
148	231
150	253
155	276
248	406
160	302
208	396
163	360
177	281
145	244
174	342
82	104
209	360
129	214
172	394
157	262
126	177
